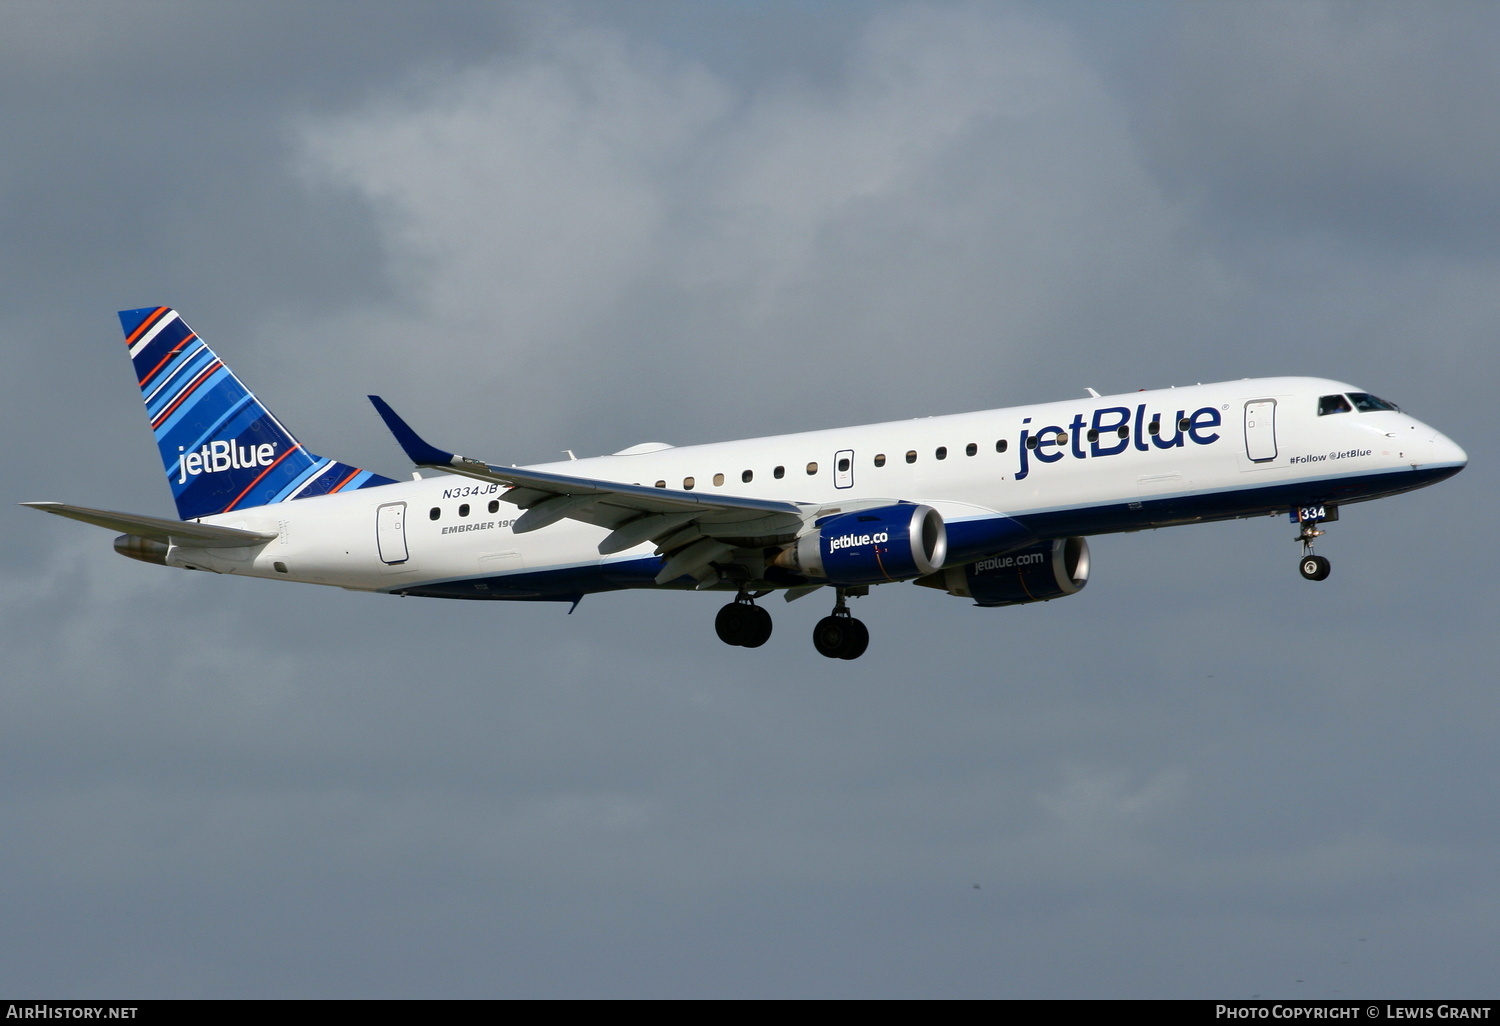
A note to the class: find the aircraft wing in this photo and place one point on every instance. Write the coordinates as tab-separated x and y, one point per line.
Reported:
180	532
692	528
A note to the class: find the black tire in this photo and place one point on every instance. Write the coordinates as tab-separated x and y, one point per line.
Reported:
830	634
857	641
1315	568
757	627
731	624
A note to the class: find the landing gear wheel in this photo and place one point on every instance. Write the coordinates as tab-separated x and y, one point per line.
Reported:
858	641
841	637
1315	568
730	624
757	627
743	624
829	635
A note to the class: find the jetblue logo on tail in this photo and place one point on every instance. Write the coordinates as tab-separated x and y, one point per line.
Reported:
222	450
217	457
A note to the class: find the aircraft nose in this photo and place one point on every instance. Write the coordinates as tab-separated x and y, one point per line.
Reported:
1447	452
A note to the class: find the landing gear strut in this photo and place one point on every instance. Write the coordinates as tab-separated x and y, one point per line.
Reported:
1314	568
743	623
840	635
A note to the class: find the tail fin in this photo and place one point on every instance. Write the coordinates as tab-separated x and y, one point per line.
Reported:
221	448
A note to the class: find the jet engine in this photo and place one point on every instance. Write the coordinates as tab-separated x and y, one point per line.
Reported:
870	546
147	550
1037	573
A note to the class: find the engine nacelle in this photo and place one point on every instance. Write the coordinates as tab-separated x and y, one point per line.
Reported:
1034	574
871	546
147	550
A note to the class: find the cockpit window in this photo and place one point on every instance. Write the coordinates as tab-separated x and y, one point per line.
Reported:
1364	402
1332	404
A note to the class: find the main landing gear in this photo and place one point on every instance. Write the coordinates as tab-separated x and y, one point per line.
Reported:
742	623
1314	568
840	635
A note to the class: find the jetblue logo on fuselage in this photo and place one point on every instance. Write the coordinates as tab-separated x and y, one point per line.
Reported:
1110	432
217	457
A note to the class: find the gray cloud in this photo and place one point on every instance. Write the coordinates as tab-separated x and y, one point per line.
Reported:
1367	121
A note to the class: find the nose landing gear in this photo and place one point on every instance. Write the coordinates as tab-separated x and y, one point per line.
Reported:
839	635
1314	568
742	623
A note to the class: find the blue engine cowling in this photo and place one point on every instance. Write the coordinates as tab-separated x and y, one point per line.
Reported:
872	546
1033	574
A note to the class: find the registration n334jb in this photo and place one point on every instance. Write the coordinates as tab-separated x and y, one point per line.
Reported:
994	506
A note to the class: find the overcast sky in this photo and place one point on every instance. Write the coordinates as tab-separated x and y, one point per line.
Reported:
587	225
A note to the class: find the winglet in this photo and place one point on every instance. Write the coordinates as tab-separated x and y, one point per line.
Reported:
420	453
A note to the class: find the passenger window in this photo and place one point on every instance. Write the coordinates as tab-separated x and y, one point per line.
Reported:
942	452
911	456
1332	404
434	513
812	468
844	465
661	484
718	480
779	473
687	484
1002	445
1031	442
1093	435
494	505
463	510
970	449
1124	431
880	459
1184	424
1154	427
747	476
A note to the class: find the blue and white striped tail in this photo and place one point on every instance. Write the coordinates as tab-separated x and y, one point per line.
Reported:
221	448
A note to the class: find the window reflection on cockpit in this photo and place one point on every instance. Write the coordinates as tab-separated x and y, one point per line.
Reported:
1364	402
1332	404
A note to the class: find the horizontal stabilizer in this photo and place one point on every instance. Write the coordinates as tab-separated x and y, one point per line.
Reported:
203	536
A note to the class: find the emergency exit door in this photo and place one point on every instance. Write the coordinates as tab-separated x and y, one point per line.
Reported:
1260	430
390	532
843	468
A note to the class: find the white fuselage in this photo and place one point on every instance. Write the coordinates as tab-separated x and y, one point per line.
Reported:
1249	448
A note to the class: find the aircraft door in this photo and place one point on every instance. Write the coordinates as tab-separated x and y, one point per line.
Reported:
390	532
843	468
1260	430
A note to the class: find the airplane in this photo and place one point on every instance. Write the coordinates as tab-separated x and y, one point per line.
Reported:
994	506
